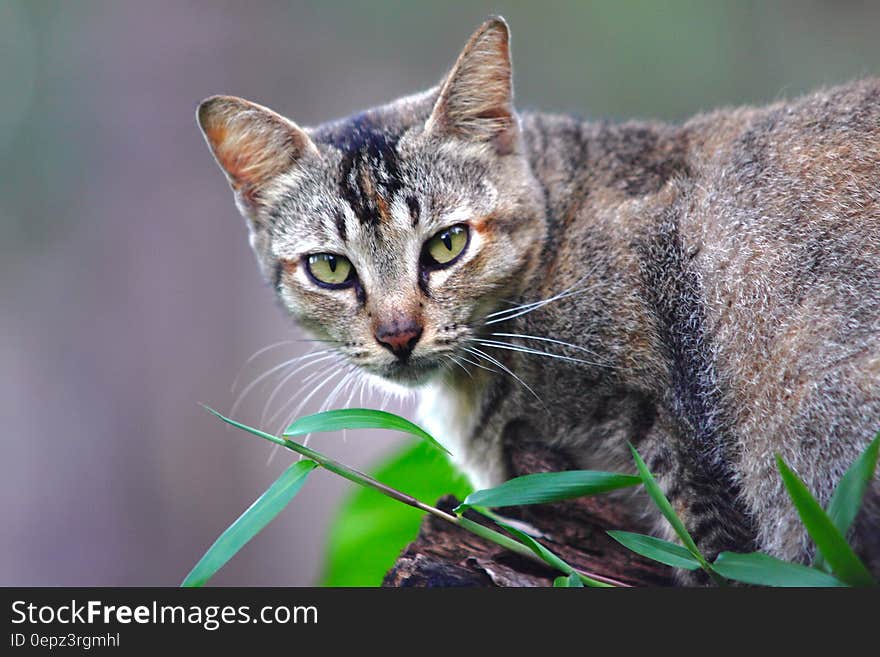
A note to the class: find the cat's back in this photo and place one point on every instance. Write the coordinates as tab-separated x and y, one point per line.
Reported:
812	158
781	218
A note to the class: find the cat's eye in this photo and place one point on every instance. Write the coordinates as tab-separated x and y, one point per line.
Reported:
330	270
446	246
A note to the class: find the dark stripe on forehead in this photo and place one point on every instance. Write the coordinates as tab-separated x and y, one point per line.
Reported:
415	209
339	219
369	174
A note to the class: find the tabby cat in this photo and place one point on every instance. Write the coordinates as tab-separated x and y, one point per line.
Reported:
709	292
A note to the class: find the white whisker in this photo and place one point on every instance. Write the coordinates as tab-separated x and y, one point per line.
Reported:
256	354
272	454
268	373
330	376
517	311
536	352
364	383
482	354
301	405
551	340
287	378
524	310
358	376
450	358
476	364
336	390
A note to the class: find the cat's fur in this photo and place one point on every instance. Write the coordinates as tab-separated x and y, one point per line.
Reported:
717	282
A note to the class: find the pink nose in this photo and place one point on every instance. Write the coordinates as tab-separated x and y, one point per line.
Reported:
399	337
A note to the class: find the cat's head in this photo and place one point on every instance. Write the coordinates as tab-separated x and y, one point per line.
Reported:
392	233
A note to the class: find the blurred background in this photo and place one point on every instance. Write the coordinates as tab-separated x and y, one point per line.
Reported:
128	293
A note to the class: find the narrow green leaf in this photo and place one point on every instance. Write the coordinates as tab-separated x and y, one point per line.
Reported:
358	418
829	541
762	569
665	507
325	462
572	581
847	498
657	549
656	494
546	487
550	558
250	523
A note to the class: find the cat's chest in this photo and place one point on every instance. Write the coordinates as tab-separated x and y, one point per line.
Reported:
450	413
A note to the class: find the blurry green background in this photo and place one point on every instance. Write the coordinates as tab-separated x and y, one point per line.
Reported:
129	293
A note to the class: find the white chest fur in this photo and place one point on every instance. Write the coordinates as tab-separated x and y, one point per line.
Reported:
450	414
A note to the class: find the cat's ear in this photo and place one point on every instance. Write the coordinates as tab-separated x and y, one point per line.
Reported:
476	98
251	143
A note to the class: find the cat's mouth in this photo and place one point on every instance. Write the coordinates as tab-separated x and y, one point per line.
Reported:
412	372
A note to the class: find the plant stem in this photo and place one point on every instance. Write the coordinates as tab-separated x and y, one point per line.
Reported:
366	480
718	579
519	548
338	468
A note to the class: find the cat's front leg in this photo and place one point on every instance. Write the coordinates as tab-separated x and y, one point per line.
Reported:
704	494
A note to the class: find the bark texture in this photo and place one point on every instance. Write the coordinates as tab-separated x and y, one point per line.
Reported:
444	555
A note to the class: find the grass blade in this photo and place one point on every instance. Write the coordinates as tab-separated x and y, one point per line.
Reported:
665	507
764	570
250	523
335	467
546	487
656	494
550	558
657	549
847	498
828	539
358	418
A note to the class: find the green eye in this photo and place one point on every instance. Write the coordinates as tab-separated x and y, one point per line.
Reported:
330	270
446	245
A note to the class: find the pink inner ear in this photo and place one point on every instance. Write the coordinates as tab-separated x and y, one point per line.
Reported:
249	155
252	144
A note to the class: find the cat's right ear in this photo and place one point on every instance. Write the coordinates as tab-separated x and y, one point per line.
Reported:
475	101
251	143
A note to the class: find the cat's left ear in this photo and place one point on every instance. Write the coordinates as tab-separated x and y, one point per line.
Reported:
251	143
476	99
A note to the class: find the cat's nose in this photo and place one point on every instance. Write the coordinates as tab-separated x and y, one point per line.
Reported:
399	337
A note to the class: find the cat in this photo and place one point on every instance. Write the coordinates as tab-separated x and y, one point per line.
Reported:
709	292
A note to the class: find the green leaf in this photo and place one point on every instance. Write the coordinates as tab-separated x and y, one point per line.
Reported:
665	507
762	569
656	494
546	487
325	462
657	549
572	581
358	418
847	498
829	541
250	523
551	559
370	530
